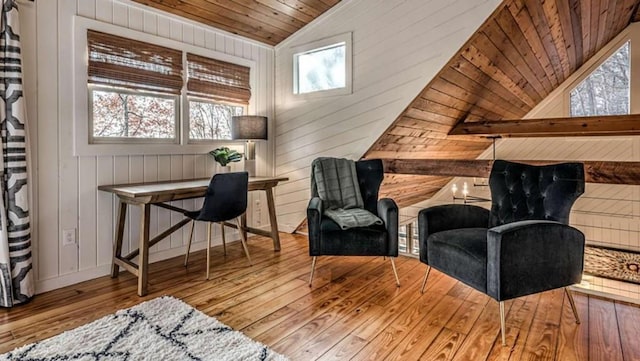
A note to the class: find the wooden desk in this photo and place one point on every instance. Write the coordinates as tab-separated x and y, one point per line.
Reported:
144	195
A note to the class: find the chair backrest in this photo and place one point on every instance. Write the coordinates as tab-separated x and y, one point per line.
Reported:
226	197
526	192
370	175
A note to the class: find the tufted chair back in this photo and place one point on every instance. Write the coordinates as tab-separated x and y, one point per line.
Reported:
525	192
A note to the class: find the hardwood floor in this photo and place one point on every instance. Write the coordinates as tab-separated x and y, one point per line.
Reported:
353	311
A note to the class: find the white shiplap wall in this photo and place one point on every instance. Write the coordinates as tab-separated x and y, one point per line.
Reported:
64	186
398	46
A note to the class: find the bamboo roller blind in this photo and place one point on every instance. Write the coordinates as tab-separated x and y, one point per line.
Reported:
132	64
218	80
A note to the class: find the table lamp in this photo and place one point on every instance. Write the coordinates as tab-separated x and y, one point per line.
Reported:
249	128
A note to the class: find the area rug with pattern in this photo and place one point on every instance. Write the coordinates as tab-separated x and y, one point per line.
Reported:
164	328
611	263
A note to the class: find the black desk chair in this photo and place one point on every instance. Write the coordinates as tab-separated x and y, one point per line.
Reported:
326	238
523	246
226	199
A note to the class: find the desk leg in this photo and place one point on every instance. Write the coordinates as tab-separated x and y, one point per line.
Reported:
117	242
143	257
272	219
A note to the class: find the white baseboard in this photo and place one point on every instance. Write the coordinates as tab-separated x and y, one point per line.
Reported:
104	270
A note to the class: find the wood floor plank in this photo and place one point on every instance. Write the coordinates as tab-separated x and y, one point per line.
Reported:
352	311
543	335
518	323
435	310
304	309
573	343
604	336
629	328
478	343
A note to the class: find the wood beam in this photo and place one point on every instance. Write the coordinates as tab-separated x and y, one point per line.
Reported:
595	171
554	127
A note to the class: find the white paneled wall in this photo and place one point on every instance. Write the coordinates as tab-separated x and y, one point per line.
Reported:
64	186
398	46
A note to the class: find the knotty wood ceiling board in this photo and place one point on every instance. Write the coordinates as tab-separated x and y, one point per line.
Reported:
267	21
521	53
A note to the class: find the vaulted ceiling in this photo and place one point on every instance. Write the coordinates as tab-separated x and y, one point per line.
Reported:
267	21
522	52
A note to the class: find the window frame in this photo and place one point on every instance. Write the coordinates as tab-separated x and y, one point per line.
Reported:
81	96
125	140
320	45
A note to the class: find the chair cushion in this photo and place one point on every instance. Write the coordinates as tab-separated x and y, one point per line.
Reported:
462	254
360	241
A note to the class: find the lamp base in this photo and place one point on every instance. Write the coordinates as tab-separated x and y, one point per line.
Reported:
250	167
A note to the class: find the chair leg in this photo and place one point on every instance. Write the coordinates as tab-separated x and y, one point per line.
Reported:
395	272
186	256
313	268
573	304
502	324
424	281
243	240
224	241
208	248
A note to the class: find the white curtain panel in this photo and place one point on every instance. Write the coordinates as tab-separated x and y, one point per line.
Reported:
16	271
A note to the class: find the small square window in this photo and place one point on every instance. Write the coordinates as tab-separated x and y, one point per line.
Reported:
323	67
211	120
119	114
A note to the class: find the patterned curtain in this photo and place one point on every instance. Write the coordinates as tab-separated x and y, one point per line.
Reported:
16	273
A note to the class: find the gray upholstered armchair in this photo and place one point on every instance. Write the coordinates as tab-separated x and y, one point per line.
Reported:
327	238
523	245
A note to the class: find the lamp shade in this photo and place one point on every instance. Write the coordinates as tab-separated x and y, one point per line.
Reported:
250	127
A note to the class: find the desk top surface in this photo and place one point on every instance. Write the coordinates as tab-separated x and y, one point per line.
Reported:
147	189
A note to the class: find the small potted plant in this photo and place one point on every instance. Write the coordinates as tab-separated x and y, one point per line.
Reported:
224	156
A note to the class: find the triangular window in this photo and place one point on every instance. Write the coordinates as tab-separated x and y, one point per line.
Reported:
606	90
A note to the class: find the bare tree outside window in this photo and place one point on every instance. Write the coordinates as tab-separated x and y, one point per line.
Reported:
208	120
128	115
606	90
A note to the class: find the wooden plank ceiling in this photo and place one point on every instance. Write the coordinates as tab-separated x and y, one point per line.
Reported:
522	52
267	21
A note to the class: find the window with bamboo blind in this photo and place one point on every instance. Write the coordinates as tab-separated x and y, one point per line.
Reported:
136	90
217	91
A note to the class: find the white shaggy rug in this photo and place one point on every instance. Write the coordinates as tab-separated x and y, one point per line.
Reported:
164	328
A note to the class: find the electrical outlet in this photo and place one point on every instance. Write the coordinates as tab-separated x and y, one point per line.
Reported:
69	237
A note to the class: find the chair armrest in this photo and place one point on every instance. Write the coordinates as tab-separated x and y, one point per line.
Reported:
314	218
527	257
388	212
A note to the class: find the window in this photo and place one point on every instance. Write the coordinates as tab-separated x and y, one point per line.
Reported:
606	90
119	113
323	66
137	90
217	91
210	120
134	89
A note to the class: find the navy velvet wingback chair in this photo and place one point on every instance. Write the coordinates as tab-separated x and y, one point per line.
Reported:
326	238
226	199
523	245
